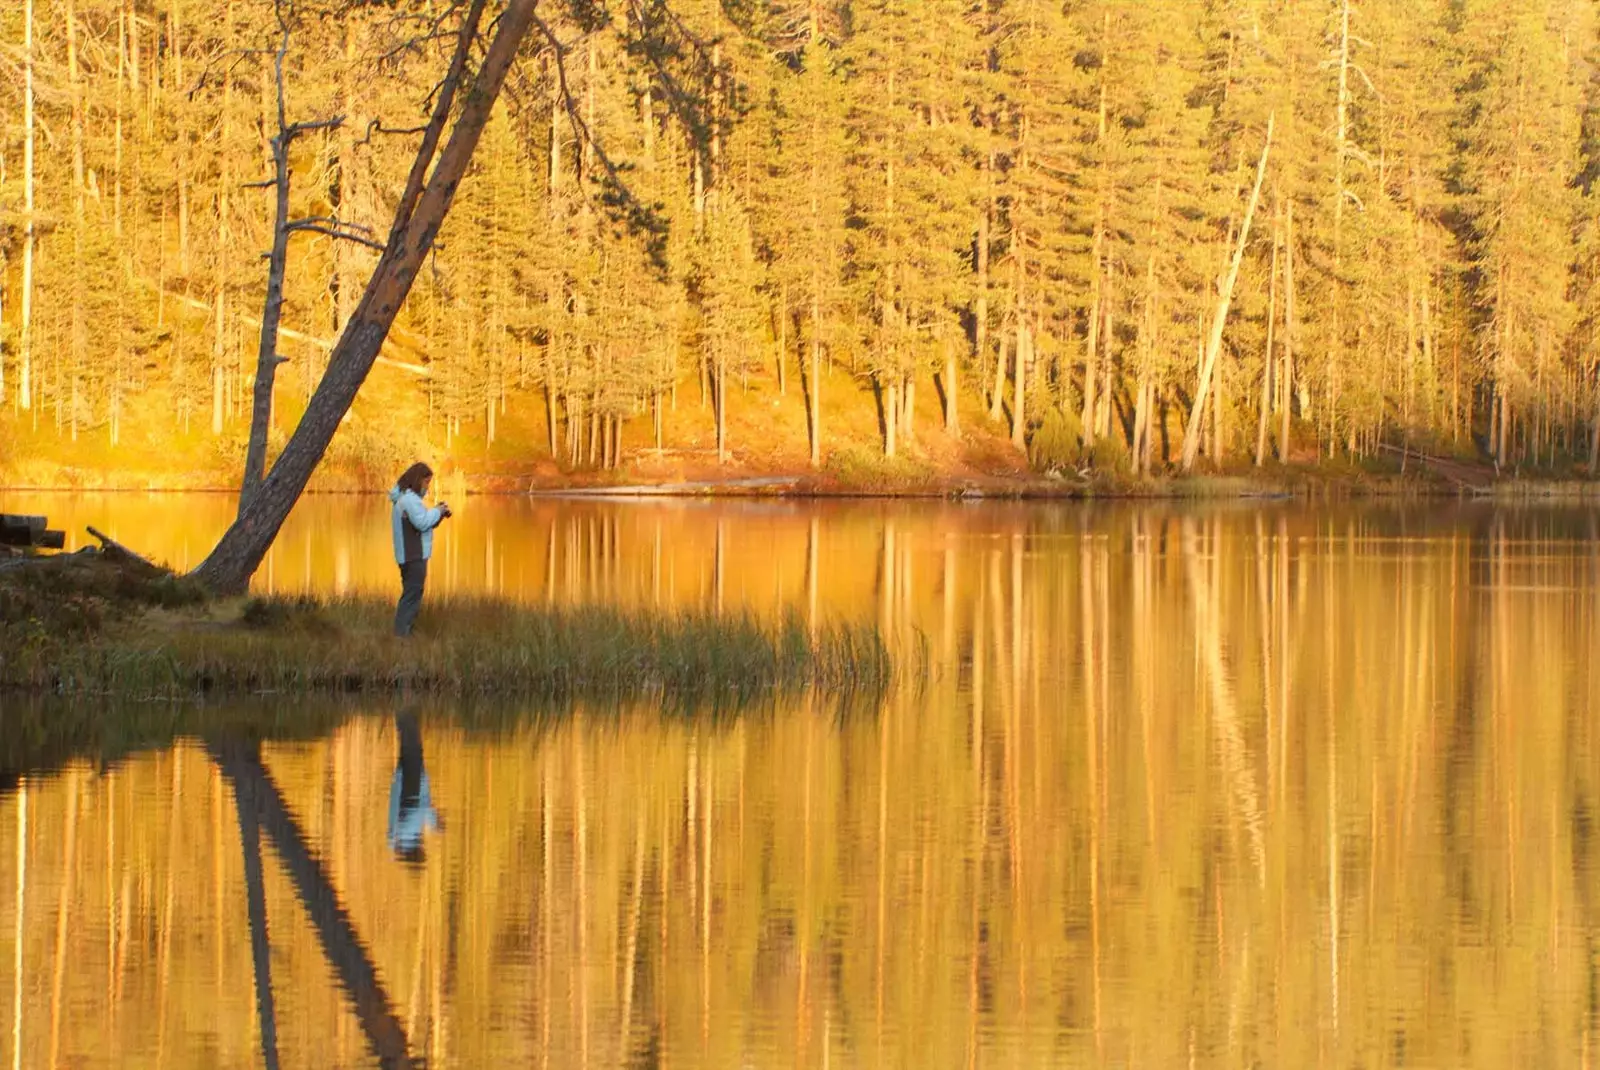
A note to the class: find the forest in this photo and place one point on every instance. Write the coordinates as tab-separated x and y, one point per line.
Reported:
1136	235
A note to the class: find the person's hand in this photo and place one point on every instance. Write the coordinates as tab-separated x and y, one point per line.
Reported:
444	510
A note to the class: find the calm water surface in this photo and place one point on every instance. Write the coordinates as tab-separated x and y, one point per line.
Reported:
1226	786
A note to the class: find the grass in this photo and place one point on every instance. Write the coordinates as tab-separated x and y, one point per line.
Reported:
90	627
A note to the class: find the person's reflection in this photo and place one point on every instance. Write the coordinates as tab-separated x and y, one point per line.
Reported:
411	812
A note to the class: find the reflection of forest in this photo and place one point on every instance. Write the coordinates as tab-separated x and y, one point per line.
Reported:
1243	787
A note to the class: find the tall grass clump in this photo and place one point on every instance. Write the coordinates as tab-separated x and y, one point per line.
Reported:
468	647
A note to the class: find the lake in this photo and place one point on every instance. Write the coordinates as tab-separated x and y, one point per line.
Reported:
1230	785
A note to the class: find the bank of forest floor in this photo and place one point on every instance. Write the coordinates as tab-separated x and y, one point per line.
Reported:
105	624
164	446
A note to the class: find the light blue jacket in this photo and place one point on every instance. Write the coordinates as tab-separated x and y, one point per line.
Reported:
413	524
408	823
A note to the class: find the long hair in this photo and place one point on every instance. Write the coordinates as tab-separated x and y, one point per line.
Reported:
414	477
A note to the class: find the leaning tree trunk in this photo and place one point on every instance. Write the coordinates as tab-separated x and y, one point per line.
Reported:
421	211
1219	320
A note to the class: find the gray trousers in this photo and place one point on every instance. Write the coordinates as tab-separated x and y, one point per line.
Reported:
413	576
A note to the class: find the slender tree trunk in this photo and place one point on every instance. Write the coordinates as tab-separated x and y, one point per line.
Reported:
25	339
219	318
981	343
420	211
783	340
350	256
720	401
814	387
1191	438
891	416
952	412
908	399
1268	357
267	358
1286	380
1097	310
1019	418
1341	157
1141	412
79	342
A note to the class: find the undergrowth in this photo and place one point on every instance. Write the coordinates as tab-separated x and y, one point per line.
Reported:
94	628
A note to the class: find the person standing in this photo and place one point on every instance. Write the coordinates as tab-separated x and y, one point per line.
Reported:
413	523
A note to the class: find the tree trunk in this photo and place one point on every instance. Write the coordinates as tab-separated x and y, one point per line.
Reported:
719	387
1267	357
783	341
908	401
952	413
1286	380
418	215
267	359
1191	437
814	386
79	346
981	309
891	414
25	338
1019	420
1097	305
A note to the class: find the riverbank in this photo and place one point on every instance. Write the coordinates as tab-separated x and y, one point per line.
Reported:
1330	483
91	626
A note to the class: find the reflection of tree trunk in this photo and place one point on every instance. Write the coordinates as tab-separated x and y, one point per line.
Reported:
811	575
256	898
341	945
980	817
1091	748
16	935
705	909
631	945
64	916
580	872
1238	763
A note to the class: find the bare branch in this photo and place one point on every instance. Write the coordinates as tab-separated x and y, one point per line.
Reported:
376	127
294	130
318	226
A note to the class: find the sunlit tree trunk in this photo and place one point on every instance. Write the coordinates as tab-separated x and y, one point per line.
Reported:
1341	192
79	341
1219	322
952	410
1286	380
814	387
29	233
1019	419
1267	356
267	358
1097	269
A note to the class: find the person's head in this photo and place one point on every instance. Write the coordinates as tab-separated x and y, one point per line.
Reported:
416	479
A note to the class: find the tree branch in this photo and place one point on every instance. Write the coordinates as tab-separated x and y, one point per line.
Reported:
294	130
318	228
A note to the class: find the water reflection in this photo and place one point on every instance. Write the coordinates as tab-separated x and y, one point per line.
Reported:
1210	786
411	812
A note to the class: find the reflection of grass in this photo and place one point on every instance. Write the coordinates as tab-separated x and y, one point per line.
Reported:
83	632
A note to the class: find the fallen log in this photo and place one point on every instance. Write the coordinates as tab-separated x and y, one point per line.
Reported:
16	530
115	551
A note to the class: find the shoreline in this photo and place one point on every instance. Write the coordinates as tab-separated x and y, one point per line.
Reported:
1298	484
